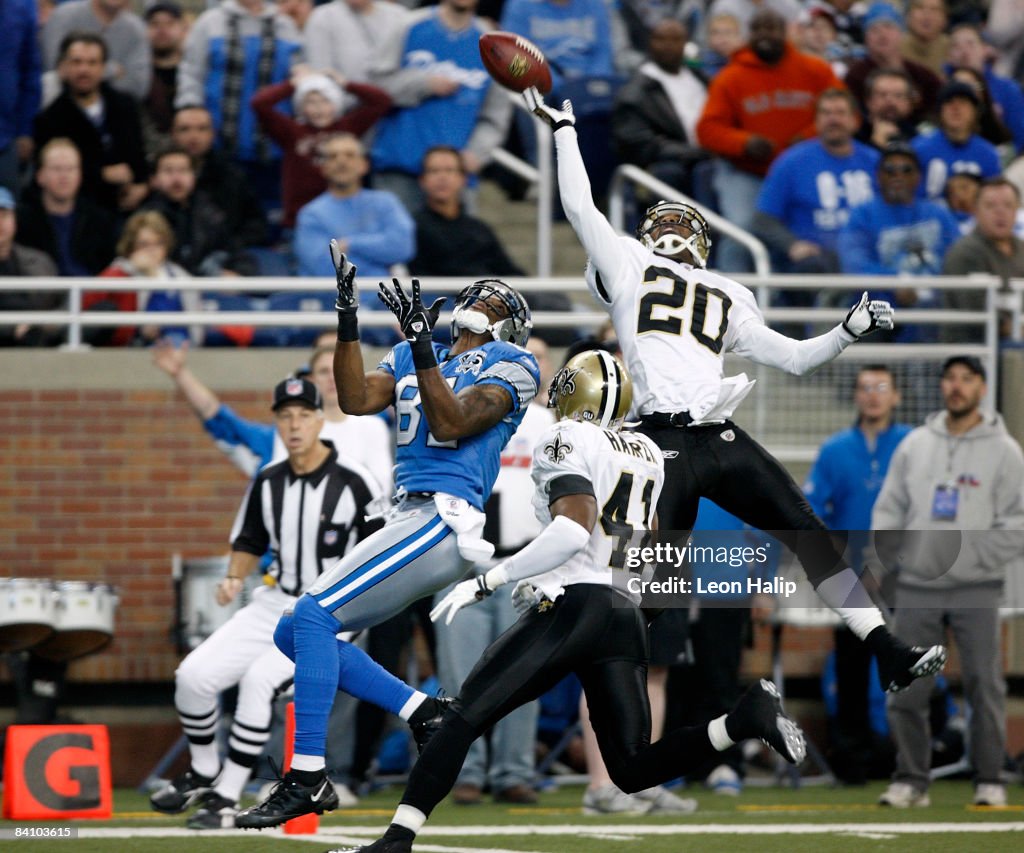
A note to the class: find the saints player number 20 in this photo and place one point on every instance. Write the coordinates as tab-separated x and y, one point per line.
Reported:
704	310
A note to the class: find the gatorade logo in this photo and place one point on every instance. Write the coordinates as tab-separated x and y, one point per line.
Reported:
57	771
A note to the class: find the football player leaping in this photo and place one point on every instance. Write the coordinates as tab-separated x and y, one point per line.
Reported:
596	487
456	409
674	321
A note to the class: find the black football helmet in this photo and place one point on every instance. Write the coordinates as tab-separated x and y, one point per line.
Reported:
698	243
514	327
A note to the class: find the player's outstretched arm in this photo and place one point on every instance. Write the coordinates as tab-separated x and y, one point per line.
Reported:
596	234
359	392
762	345
572	520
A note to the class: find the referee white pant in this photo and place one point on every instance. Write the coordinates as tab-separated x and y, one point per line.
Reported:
241	652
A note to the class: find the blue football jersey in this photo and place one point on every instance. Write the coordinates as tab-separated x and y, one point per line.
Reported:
465	467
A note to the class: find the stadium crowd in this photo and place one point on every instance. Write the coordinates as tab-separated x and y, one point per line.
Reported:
168	140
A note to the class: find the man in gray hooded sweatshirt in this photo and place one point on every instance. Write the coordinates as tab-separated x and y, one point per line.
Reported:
956	489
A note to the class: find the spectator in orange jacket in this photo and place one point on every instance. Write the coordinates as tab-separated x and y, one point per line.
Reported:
759	104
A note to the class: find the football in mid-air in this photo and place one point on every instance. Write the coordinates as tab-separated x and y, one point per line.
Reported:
514	62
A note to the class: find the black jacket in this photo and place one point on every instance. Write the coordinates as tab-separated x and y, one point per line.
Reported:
93	234
456	247
202	228
646	128
117	140
225	181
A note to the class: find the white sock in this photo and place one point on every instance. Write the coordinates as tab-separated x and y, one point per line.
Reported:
409	817
718	734
232	780
308	762
205	758
846	595
412	703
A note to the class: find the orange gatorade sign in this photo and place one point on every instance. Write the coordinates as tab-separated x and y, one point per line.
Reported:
57	772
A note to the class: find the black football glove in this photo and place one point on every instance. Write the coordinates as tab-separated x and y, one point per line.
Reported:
345	273
868	316
416	320
348	297
555	119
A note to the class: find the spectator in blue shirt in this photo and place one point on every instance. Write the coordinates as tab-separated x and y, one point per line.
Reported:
841	488
807	195
897	233
371	226
574	35
967	49
955	146
19	96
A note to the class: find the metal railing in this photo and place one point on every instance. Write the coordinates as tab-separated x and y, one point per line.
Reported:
791	442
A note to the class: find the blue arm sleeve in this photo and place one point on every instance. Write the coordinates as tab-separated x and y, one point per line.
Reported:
248	445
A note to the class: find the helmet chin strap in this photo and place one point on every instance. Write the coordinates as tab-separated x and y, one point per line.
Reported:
671	245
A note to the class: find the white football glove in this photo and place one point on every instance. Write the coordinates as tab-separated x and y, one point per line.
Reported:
555	119
868	316
463	595
526	596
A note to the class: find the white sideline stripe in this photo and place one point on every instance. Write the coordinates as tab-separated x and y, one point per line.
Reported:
347	833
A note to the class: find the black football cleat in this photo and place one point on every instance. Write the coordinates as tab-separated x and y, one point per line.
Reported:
378	846
290	798
182	793
424	731
759	714
899	664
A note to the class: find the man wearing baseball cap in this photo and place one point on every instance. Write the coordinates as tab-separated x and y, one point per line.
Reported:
308	510
883	37
955	147
955	490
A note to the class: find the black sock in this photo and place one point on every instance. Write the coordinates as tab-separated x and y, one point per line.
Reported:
399	833
426	711
308	778
879	640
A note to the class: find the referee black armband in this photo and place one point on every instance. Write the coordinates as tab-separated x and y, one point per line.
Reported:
569	484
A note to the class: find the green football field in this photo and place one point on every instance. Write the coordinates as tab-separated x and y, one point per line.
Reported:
815	819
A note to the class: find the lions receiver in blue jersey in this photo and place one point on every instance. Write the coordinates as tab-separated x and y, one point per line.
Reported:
456	410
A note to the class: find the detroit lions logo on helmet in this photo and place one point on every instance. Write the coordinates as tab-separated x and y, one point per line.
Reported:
470	362
557	450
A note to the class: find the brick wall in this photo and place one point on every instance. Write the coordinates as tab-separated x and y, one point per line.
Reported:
105	486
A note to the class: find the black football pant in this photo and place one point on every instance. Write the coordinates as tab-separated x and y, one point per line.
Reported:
721	462
596	633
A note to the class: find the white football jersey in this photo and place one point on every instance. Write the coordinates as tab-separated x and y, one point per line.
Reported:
513	490
626	471
673	321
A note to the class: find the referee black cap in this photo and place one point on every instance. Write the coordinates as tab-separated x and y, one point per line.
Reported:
294	390
971	362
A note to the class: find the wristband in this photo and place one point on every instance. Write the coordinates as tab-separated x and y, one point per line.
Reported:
348	326
423	357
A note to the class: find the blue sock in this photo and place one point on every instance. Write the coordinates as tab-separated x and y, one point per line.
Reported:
361	676
316	673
